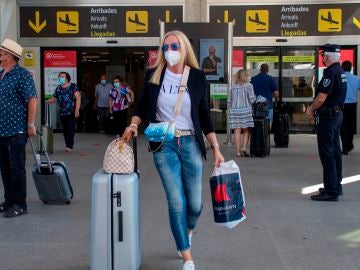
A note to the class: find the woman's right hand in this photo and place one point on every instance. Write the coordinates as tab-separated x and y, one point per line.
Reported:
132	129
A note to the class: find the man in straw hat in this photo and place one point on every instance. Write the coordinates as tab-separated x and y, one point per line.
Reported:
17	118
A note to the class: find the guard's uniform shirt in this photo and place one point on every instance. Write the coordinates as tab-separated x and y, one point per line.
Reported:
333	83
16	87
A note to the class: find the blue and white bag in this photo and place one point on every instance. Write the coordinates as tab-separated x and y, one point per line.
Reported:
227	195
159	132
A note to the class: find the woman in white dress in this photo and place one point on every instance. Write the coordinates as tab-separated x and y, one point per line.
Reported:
241	120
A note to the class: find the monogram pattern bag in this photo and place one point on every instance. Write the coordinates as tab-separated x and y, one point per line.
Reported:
119	157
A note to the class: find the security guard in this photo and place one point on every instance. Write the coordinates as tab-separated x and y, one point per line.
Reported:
327	111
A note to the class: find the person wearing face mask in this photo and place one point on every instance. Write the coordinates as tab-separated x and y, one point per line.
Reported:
18	103
68	97
101	105
179	162
327	110
209	63
120	97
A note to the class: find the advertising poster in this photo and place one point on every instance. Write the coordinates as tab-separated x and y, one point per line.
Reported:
152	57
54	63
212	58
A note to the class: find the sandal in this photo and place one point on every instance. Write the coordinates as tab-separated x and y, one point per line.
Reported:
15	211
239	154
4	207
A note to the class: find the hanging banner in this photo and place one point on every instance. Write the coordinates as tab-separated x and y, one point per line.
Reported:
54	63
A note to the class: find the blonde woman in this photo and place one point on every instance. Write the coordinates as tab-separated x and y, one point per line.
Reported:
179	162
241	120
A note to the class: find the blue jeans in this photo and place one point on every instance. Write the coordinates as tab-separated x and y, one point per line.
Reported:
179	163
12	165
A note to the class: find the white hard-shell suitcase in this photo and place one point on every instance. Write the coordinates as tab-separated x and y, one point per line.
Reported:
115	220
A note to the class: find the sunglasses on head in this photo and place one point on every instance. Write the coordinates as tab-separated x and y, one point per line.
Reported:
174	46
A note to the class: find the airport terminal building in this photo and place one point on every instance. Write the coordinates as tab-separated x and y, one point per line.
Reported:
89	38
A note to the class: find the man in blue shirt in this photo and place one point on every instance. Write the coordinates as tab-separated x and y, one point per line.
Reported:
265	86
17	121
348	127
327	110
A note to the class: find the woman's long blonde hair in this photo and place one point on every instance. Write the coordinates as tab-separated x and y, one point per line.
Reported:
187	55
242	76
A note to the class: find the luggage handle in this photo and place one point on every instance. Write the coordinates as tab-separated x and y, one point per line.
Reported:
45	151
47	115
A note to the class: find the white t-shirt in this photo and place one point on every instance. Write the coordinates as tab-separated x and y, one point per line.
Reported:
167	99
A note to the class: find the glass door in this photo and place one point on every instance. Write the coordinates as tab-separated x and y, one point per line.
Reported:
298	84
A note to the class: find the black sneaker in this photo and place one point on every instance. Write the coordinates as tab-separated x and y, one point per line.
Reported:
15	211
322	190
325	197
4	207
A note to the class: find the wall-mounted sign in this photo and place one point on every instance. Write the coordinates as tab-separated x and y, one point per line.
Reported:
54	63
290	20
115	21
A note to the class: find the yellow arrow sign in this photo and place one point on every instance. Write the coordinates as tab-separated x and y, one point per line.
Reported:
356	22
226	18
167	17
37	27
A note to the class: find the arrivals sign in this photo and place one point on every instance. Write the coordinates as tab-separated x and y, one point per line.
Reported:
290	20
95	22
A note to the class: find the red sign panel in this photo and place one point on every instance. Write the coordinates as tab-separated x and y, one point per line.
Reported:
238	58
345	54
63	59
153	54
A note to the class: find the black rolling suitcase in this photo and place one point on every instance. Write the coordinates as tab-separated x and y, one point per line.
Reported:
281	125
260	137
51	179
281	130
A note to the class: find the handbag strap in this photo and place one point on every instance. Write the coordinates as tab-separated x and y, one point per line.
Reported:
182	90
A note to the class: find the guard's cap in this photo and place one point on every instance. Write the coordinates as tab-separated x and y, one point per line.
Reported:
333	48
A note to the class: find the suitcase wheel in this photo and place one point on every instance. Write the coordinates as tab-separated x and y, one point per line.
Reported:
45	202
67	202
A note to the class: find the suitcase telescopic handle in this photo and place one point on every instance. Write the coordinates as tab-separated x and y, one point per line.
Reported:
45	150
35	155
134	145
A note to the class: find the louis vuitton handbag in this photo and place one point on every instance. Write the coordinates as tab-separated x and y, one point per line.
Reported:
157	133
119	157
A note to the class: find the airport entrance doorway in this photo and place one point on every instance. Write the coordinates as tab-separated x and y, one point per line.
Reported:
85	66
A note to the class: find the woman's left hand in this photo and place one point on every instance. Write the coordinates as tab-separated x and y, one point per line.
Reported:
218	157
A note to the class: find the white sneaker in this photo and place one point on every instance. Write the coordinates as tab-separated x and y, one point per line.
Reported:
189	265
179	252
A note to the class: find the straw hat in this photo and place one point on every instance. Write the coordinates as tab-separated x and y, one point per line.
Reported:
12	47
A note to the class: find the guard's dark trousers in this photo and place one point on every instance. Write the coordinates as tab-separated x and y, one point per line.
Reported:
328	138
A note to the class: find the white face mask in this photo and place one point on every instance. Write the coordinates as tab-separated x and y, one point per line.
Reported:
172	57
1	69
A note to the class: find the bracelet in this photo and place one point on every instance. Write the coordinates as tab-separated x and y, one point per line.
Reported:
30	125
134	125
215	145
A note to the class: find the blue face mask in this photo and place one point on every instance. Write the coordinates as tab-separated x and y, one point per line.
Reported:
103	82
116	84
61	80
